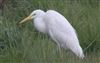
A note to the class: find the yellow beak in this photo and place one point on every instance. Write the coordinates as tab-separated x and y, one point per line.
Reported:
26	19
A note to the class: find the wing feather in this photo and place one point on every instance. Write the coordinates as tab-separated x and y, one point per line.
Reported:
62	32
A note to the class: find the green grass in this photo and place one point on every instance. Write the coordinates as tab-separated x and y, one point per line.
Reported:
25	45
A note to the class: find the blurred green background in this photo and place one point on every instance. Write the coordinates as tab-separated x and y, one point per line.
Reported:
25	45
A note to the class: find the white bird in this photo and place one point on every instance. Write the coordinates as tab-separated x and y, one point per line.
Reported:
58	28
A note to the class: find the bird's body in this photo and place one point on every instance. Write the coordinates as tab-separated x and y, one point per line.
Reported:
59	29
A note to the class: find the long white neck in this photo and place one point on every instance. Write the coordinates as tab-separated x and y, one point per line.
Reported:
39	24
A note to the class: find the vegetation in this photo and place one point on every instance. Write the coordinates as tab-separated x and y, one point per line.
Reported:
25	45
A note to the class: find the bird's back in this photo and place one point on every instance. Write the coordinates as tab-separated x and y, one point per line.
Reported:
62	32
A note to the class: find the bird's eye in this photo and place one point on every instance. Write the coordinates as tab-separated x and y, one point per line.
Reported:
34	14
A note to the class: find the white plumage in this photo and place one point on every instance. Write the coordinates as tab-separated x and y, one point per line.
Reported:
58	28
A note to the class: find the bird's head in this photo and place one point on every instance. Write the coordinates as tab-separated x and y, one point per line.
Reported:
34	14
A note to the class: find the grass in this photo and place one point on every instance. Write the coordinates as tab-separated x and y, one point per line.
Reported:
25	45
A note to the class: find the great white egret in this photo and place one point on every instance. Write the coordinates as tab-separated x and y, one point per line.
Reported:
58	28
